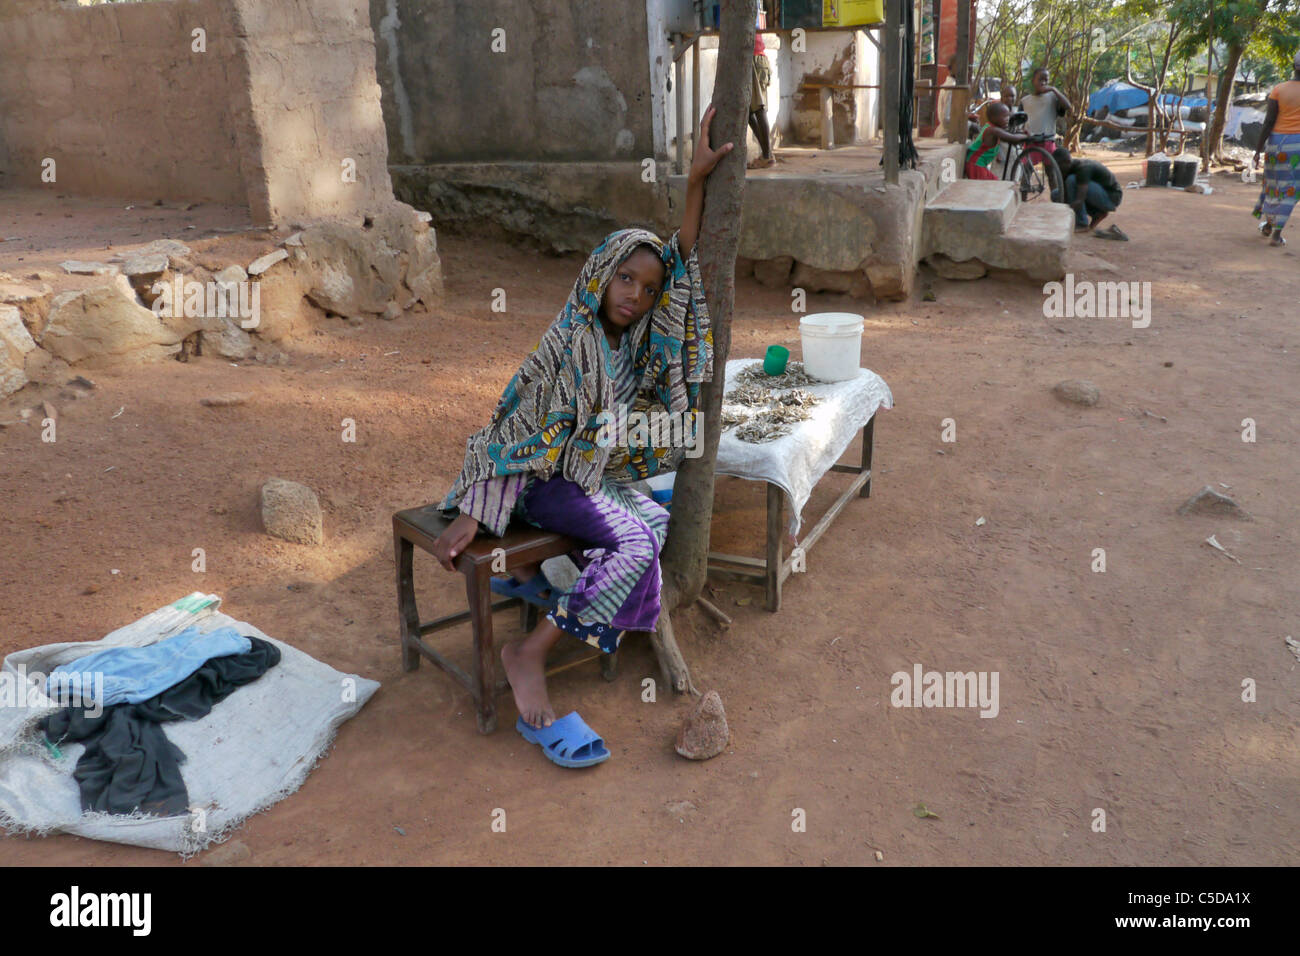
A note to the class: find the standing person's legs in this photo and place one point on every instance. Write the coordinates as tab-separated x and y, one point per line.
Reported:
760	76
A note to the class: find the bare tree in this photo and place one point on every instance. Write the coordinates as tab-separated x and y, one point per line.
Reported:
684	560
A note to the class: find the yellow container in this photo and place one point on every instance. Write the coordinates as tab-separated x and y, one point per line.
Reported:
852	13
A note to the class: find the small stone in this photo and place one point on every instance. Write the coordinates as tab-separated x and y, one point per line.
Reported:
291	511
145	268
260	265
233	273
392	311
294	240
224	401
704	734
79	268
81	382
1078	391
228	854
1207	501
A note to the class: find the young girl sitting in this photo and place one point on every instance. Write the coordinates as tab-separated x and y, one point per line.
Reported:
634	335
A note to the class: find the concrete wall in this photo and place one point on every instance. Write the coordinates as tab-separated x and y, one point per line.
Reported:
567	80
265	116
116	97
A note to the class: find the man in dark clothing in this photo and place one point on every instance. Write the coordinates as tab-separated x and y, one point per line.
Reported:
1093	191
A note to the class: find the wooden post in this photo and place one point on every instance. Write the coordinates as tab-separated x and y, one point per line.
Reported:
679	96
695	94
961	96
893	47
828	125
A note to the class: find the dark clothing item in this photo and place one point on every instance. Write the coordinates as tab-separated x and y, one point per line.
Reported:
1095	200
129	763
1087	171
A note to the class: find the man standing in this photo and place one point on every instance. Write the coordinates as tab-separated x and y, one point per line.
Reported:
761	77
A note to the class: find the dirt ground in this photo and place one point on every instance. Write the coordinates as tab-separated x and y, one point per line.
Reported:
1119	690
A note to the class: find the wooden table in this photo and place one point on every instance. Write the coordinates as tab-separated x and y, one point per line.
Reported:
777	566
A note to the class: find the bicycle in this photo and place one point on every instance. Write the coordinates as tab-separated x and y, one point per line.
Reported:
1032	167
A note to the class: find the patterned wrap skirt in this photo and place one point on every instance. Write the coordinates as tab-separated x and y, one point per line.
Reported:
1281	179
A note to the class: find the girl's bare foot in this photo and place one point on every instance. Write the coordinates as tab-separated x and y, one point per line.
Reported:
525	664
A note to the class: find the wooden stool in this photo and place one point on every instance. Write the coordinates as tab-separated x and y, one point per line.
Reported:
522	544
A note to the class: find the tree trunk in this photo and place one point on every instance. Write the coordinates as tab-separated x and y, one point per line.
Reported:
1221	97
684	559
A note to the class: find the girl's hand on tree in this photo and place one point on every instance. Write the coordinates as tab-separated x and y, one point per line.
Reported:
705	156
454	540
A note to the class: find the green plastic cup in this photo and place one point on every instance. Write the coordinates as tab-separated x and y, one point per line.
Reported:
774	362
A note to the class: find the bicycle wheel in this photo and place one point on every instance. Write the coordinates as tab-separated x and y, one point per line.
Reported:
1038	176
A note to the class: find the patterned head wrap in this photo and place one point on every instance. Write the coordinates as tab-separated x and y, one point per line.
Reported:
550	414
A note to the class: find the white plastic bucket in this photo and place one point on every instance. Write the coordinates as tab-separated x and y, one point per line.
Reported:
832	345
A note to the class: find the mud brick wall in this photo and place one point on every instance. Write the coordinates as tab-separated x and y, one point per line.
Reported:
315	104
114	95
280	114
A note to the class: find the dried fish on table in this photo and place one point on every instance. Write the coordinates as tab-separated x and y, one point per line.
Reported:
748	395
798	396
732	417
758	432
784	414
793	376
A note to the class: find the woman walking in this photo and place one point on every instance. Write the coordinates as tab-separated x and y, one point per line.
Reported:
1280	141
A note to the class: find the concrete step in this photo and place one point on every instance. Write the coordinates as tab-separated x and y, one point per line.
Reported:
1038	240
976	203
985	220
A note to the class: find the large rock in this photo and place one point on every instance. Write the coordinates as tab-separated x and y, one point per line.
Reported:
15	343
226	339
704	733
351	271
284	310
291	511
105	325
33	303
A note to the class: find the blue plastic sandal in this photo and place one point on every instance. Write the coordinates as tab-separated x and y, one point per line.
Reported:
568	742
529	590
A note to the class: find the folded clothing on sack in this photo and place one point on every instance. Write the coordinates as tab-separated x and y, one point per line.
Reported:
129	765
129	675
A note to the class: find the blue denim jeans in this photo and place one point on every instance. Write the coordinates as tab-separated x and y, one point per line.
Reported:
129	675
1095	201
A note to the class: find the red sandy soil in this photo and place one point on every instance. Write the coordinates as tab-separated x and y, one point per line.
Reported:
1119	690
